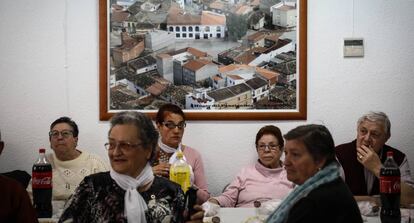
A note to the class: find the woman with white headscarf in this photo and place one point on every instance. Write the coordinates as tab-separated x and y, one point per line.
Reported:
129	192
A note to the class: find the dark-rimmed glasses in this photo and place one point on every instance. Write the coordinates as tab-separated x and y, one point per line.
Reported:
124	146
172	125
271	147
65	134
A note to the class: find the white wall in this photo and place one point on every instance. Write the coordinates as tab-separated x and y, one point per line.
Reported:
49	68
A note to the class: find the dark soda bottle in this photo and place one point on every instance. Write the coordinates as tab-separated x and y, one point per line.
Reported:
42	186
390	190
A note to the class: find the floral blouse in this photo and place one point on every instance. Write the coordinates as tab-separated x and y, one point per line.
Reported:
99	199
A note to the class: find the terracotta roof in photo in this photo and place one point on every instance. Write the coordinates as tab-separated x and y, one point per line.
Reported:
163	55
233	67
245	58
217	78
212	18
116	7
243	9
119	16
265	73
156	89
178	17
195	65
258	49
234	77
196	52
217	5
256	36
273	37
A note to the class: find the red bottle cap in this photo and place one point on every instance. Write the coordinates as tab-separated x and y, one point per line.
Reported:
42	150
389	153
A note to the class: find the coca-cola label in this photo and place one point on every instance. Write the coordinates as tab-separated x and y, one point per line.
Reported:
390	184
41	180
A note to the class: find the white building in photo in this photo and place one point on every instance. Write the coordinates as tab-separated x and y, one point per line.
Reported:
188	26
284	14
199	100
159	39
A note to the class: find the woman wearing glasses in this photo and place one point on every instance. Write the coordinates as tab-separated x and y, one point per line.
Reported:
70	165
265	180
170	121
129	192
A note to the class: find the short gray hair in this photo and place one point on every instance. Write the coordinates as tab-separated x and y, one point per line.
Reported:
379	117
146	130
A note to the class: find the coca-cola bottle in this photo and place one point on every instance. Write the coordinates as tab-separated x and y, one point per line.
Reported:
42	186
390	190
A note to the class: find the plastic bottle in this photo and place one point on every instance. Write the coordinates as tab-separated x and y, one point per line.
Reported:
390	190
42	186
180	172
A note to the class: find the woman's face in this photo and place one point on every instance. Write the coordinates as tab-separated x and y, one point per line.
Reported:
171	137
269	151
126	153
61	138
299	163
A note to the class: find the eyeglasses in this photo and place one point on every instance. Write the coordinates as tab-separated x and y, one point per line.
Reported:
124	146
271	147
172	125
65	134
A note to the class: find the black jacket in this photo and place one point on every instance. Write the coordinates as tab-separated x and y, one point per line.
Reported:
330	203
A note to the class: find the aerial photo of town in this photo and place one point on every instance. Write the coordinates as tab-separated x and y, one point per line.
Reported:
202	54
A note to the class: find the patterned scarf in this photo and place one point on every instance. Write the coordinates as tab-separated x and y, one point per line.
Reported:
326	175
135	205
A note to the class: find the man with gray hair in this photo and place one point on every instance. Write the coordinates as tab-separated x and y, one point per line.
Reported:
362	158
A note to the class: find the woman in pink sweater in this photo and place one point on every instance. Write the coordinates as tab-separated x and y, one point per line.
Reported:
170	121
265	180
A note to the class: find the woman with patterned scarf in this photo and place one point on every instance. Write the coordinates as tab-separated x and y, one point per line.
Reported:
129	192
320	195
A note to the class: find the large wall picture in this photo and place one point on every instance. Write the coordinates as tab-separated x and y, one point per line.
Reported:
216	59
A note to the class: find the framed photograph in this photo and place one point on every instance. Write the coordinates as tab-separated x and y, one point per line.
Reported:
216	59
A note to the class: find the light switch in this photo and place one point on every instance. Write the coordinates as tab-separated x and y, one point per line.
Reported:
353	47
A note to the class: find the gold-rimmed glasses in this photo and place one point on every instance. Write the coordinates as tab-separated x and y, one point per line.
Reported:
124	146
65	134
271	147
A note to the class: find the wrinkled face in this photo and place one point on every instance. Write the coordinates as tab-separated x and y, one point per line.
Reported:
371	134
299	163
171	137
269	151
125	151
62	141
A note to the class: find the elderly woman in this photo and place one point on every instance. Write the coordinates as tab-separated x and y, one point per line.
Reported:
170	121
321	195
70	165
262	181
129	192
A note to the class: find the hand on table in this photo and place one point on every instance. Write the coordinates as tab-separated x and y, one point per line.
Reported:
369	159
198	216
162	169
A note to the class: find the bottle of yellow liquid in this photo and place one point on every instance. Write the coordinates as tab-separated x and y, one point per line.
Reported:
180	172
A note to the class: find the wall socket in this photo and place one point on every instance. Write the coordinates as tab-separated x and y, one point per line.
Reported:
353	47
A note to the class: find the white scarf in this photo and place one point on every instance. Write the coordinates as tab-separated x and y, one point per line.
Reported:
173	157
135	205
